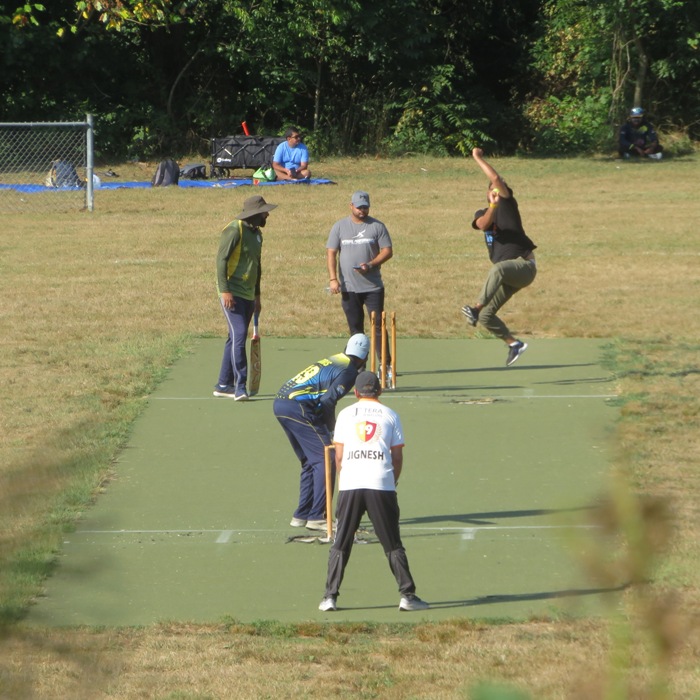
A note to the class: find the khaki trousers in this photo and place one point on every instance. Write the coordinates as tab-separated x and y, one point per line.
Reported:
505	279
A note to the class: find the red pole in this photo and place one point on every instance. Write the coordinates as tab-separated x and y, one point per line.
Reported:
245	128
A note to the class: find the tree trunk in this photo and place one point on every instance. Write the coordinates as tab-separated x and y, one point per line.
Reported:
171	95
317	93
641	71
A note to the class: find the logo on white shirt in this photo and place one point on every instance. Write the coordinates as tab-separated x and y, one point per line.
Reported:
366	430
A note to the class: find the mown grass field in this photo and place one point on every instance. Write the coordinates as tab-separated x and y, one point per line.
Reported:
96	307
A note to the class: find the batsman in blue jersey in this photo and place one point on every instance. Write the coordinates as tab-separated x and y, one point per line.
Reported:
305	408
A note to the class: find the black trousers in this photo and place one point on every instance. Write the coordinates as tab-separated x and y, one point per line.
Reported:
354	303
382	507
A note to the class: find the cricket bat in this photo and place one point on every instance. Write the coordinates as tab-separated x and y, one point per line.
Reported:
255	358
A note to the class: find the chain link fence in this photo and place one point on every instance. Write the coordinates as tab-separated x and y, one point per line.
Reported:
46	166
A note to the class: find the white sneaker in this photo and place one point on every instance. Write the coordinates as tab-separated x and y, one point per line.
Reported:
297	522
656	156
409	603
388	377
316	525
515	351
224	390
327	604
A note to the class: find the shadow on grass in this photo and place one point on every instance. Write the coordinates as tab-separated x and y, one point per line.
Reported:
459	370
504	598
488	518
524	597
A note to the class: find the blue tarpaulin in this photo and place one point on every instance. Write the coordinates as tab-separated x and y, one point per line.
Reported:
30	189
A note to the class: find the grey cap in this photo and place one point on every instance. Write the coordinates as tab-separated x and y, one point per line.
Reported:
367	384
360	199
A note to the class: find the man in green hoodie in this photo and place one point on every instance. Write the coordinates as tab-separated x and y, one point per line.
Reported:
238	273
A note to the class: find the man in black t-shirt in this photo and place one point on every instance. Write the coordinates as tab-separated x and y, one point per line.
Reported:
510	251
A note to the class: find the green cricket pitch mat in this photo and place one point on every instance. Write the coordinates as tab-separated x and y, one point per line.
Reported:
500	466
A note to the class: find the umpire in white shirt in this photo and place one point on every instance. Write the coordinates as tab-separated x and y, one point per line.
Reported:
368	442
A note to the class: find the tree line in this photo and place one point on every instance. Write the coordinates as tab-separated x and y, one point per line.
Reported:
392	77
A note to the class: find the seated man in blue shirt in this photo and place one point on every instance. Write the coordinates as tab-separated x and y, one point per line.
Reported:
291	159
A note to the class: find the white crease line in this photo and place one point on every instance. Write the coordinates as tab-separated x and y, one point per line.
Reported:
142	532
469	533
390	394
496	397
498	527
225	536
492	399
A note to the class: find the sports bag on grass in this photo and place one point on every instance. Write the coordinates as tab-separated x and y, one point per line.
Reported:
266	173
62	175
194	171
167	173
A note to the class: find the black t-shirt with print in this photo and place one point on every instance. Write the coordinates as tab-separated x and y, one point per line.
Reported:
506	240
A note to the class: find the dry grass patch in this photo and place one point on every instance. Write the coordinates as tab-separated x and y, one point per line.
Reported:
445	660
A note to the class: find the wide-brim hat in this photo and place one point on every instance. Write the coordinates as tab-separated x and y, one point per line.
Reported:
255	205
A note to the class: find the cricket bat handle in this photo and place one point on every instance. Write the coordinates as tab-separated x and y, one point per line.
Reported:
329	489
256	320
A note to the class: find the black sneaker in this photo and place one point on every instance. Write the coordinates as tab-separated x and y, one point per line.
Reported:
471	314
515	351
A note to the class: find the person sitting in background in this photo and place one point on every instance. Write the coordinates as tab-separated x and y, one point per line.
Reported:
291	158
638	137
